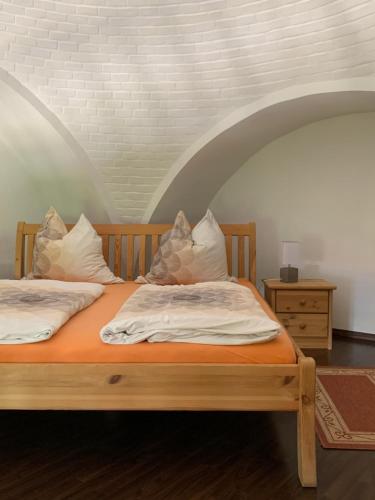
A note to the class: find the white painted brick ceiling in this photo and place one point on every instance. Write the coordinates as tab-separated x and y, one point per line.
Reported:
137	81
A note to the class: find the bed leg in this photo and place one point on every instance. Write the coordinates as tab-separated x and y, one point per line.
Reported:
306	423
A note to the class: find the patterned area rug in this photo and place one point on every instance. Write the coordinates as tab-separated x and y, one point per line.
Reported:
345	408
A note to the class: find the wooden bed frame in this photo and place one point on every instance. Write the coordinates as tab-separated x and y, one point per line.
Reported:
164	386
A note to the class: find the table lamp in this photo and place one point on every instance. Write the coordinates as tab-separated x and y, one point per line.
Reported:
290	251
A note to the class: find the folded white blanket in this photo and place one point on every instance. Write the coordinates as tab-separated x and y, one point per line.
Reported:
32	311
205	313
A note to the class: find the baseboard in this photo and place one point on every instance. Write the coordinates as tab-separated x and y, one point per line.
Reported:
364	337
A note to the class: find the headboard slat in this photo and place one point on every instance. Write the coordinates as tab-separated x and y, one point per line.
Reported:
105	247
234	233
117	261
130	257
30	248
253	255
228	246
241	257
142	255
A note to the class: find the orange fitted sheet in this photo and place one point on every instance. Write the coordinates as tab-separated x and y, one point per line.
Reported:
78	341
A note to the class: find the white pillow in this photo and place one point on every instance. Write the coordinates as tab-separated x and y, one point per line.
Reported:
73	256
209	241
185	256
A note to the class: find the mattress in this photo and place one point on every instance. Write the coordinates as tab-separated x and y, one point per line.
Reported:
78	341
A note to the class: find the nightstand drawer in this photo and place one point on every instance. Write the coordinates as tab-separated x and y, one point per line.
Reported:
310	301
305	325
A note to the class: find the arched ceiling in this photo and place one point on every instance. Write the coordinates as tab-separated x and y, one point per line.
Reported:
40	165
34	140
197	176
137	83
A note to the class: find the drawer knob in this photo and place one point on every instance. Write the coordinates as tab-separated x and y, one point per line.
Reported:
302	303
302	326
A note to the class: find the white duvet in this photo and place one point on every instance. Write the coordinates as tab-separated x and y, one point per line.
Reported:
32	311
206	313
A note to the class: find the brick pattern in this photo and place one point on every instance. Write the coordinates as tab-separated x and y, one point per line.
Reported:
137	81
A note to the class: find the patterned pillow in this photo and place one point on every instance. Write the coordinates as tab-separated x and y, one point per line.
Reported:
185	256
53	228
73	256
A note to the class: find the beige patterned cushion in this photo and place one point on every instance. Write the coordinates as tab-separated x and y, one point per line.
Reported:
53	228
185	256
73	256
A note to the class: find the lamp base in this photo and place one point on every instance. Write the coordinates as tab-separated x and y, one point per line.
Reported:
289	274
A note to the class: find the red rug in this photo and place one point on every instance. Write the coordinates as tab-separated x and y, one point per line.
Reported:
345	408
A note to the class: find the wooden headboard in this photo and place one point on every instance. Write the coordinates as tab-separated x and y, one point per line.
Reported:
127	248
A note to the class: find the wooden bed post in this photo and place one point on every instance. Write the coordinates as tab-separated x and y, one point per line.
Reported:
20	252
306	422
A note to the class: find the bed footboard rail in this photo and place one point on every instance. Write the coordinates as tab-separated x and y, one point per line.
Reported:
149	386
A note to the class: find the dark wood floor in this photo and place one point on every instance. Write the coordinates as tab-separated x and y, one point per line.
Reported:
177	456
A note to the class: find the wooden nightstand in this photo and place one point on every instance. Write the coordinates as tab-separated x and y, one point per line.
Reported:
304	308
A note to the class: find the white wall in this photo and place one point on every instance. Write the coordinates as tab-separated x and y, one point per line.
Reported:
37	169
315	185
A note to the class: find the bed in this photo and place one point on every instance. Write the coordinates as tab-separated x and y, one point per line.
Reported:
75	371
